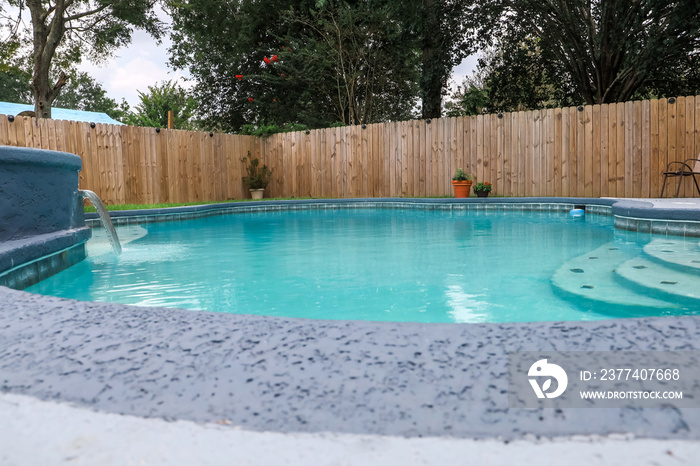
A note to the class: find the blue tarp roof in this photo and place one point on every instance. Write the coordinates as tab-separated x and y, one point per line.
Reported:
7	108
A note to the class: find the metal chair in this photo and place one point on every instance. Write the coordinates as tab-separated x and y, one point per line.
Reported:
683	169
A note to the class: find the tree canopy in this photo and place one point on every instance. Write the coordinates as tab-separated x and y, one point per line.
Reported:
311	62
155	104
609	49
64	32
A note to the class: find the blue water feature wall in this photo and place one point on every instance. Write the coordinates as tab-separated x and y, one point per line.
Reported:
42	225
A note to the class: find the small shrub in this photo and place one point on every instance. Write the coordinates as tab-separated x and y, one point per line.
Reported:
258	177
460	175
482	187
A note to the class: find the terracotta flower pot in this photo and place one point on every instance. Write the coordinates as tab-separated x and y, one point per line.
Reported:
461	188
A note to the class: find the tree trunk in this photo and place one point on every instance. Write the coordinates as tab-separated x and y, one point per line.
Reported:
431	81
46	40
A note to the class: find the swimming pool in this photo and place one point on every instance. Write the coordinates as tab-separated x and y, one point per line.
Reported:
392	265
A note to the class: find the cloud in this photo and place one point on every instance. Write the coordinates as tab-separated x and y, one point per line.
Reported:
143	63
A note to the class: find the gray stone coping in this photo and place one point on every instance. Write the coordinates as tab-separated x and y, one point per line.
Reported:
302	375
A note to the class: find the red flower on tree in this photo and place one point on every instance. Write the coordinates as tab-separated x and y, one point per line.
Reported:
274	58
239	77
266	60
250	99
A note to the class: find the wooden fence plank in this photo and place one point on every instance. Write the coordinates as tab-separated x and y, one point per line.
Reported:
663	142
588	150
629	149
595	150
645	148
680	135
672	143
690	149
604	150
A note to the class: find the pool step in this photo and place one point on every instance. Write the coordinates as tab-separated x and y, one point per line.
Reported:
680	253
592	276
99	243
652	275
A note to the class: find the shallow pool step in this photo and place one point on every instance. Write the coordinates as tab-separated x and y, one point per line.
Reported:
99	243
592	276
655	276
675	251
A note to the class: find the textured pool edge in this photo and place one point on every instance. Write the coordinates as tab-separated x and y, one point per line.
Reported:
302	375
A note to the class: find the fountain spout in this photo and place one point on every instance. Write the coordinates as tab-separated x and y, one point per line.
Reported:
104	217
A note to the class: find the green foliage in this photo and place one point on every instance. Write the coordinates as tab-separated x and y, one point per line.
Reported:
483	187
604	50
153	107
513	76
14	85
64	32
81	92
460	175
267	130
441	31
353	62
258	177
14	80
468	100
84	93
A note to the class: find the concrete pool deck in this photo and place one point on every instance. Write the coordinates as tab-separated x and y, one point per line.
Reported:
83	374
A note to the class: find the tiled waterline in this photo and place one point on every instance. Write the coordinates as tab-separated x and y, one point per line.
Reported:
660	227
33	272
446	206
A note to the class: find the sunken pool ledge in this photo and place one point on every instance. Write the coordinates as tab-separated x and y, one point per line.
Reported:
301	375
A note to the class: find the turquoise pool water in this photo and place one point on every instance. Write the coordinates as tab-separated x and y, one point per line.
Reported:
385	264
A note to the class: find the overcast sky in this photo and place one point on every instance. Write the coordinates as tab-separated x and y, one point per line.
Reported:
144	63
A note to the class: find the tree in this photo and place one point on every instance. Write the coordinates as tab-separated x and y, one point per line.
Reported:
14	85
350	55
608	48
14	81
82	92
334	60
158	101
66	31
442	31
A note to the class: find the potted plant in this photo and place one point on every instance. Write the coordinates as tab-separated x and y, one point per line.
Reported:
258	177
482	189
462	183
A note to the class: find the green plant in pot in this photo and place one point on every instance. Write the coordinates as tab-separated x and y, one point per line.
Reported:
482	189
258	176
462	182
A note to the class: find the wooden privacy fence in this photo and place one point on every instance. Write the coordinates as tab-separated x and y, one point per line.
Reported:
616	150
129	164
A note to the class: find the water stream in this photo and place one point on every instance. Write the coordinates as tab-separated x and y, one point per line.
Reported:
104	217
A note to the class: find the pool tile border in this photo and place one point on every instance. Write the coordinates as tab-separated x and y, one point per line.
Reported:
623	211
162	215
30	273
